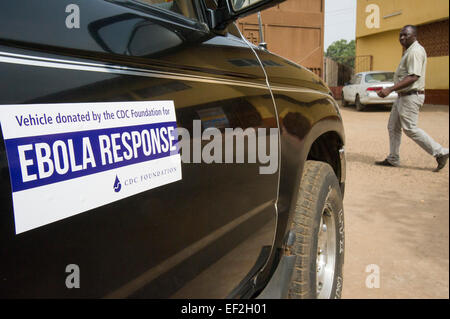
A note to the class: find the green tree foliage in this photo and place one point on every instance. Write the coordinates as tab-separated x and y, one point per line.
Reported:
342	52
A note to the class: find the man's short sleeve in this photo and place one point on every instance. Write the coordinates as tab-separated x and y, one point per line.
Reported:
415	63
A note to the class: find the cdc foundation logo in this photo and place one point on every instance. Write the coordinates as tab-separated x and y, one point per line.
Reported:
117	186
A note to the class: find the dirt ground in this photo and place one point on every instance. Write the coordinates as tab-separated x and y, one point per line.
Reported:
397	219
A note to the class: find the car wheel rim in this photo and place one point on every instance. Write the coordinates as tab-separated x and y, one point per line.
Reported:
326	254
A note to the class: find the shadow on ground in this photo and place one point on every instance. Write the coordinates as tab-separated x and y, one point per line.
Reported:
370	160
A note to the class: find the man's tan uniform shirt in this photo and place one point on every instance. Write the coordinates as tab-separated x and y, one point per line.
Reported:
413	62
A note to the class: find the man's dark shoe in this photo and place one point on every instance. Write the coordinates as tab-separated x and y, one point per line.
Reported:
442	161
385	163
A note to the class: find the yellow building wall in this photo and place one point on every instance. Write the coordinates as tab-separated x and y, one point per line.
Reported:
385	49
436	77
382	43
405	12
387	52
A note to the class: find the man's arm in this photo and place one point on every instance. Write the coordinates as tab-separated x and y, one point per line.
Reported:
407	81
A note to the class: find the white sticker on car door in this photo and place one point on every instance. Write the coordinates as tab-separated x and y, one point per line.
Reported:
65	159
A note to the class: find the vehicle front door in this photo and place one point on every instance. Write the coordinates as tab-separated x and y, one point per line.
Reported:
197	236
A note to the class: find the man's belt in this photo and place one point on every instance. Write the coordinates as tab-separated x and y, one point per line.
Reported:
410	92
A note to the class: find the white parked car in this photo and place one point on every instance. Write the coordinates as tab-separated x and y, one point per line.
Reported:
363	88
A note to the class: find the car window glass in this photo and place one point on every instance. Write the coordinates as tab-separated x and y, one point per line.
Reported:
358	79
379	77
182	7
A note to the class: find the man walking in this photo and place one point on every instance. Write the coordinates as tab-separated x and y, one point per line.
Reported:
409	82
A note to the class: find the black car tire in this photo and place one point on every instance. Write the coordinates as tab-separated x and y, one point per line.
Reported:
344	102
319	199
358	104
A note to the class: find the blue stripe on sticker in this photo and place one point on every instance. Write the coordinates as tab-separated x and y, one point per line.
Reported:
41	160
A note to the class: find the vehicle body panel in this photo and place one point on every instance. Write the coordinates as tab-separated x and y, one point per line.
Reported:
123	247
306	112
179	240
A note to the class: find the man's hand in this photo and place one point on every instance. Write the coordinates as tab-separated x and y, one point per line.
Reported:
384	92
408	80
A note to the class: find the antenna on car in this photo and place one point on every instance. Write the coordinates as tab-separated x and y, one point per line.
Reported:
262	44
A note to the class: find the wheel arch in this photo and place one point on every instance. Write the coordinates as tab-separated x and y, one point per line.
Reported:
328	148
325	143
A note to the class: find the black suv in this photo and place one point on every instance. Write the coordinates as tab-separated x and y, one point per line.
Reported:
148	150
